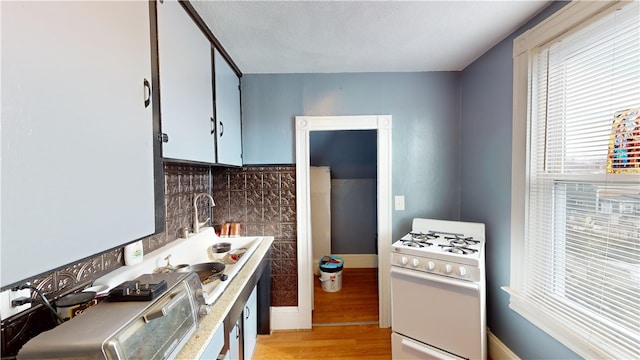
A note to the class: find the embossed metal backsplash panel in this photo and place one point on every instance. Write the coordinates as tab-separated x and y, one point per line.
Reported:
263	200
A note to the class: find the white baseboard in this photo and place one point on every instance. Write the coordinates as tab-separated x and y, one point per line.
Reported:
284	318
498	350
360	260
353	261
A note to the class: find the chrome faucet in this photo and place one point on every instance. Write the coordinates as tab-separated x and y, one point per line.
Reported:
196	223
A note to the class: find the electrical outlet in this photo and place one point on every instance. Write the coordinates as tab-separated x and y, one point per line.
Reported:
6	310
399	202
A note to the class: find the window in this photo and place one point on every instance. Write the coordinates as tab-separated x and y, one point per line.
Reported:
576	178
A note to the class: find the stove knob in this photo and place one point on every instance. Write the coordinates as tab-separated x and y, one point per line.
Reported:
462	271
204	310
431	265
415	263
448	269
404	260
200	294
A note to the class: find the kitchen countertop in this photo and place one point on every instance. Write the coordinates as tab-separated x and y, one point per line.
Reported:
211	322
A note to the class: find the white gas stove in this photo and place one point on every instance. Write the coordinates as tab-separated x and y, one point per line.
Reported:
441	263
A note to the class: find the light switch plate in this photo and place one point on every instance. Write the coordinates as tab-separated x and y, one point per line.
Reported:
399	202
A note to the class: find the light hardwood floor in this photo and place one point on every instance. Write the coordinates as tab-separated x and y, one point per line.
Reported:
357	301
345	325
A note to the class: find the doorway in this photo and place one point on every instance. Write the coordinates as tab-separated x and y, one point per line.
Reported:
343	178
304	125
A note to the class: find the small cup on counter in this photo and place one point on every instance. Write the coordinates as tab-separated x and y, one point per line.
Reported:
234	231
224	230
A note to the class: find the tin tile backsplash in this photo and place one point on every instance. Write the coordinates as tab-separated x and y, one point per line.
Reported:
263	200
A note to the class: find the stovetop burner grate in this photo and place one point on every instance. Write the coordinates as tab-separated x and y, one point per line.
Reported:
420	239
461	241
456	249
423	236
416	243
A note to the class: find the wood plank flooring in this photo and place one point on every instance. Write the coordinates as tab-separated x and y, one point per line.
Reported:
357	301
345	325
326	342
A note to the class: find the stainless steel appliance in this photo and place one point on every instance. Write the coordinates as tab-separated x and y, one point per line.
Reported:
438	291
140	329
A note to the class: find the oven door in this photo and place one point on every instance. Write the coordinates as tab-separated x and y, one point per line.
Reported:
436	311
160	332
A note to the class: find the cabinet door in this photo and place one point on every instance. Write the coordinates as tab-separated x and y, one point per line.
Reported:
250	325
234	341
215	345
77	131
228	115
186	86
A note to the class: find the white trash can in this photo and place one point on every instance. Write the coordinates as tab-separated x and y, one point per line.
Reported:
331	273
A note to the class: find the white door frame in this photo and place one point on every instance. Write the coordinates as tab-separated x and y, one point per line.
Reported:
305	124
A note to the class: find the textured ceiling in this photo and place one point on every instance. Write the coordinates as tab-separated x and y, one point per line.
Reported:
361	36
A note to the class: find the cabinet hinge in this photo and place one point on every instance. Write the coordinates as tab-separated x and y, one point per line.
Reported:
163	137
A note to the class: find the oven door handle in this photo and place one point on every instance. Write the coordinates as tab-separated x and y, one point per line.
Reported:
425	350
435	278
169	303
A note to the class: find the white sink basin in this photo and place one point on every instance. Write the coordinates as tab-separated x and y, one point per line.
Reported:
215	288
193	250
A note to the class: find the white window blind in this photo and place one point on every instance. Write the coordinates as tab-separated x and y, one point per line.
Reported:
581	268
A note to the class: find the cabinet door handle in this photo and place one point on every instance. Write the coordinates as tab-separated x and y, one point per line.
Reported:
248	311
221	129
213	126
147	93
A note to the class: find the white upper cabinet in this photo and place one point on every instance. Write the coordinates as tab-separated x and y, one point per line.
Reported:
77	132
186	90
228	115
191	82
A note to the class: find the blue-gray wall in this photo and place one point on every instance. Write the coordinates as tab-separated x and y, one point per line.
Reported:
426	115
354	222
351	154
487	94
